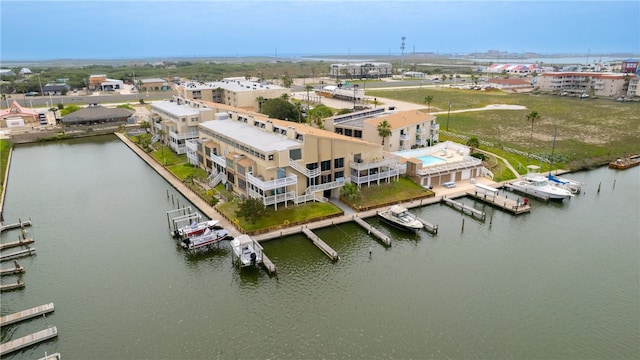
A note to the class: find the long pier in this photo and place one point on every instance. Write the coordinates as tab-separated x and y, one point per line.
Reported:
463	208
17	254
19	224
332	254
503	203
427	225
20	242
28	340
268	264
26	314
14	286
371	230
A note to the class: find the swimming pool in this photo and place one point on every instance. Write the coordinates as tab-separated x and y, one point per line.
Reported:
431	160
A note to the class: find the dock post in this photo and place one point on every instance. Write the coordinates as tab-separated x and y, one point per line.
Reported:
167	193
599	187
172	202
614	183
462	230
491	220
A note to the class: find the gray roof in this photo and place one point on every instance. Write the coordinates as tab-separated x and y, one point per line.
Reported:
232	85
171	107
251	136
97	113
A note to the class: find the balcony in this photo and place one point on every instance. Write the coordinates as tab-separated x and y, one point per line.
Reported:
326	186
359	180
219	160
303	170
373	164
272	184
404	137
419	131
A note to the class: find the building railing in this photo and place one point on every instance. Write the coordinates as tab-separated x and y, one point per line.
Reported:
326	186
386	162
183	136
303	169
374	177
272	184
219	160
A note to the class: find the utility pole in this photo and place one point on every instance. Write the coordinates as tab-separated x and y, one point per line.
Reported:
402	57
448	113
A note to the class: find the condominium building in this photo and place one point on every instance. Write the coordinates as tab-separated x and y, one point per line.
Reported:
282	162
593	83
361	70
235	92
409	129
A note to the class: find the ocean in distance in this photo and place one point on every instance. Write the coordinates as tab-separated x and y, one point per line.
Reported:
559	283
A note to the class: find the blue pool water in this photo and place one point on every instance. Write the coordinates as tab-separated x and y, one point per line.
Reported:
431	160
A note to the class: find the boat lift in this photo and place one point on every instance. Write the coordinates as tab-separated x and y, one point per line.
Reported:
187	217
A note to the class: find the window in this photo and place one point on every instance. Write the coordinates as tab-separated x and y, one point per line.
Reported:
347	132
357	133
325	165
325	179
295	154
270	157
240	169
338	163
339	174
312	166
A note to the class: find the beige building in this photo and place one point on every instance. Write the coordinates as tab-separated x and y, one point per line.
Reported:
154	84
235	92
591	83
409	129
282	162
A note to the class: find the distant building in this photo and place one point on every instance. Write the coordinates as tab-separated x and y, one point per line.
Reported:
97	114
17	116
630	66
25	71
520	69
237	93
154	84
593	83
7	72
55	89
508	84
361	70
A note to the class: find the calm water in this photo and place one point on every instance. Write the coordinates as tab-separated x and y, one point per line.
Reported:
562	282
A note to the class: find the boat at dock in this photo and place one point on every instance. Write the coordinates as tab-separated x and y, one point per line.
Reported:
195	229
538	185
401	218
246	250
624	163
574	186
206	239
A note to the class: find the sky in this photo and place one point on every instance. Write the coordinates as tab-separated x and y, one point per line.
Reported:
46	30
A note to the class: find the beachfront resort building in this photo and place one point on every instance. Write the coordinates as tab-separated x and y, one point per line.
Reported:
409	129
236	92
591	83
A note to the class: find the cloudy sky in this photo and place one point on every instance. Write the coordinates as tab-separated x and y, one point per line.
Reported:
39	30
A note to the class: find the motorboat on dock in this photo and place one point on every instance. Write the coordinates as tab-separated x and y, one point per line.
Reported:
574	186
538	186
207	238
196	228
247	252
401	218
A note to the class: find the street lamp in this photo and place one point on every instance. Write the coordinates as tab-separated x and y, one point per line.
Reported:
448	113
355	86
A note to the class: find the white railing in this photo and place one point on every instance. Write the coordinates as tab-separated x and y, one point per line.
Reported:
219	160
213	182
468	163
155	138
374	177
303	170
185	135
272	184
373	164
404	137
325	186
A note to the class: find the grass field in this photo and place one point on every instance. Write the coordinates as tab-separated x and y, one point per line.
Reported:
589	132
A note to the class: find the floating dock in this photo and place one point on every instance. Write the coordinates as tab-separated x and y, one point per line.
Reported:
502	203
427	225
16	270
14	286
19	224
463	208
17	254
332	254
268	264
371	230
55	356
28	340
26	314
20	242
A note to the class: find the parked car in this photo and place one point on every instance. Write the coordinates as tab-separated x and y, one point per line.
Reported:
31	93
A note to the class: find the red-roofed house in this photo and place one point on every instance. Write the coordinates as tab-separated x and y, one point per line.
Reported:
16	116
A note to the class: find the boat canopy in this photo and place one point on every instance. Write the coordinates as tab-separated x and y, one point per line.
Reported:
397	209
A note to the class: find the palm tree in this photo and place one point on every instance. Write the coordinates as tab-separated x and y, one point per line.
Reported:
285	97
260	100
532	116
308	88
428	100
473	143
384	130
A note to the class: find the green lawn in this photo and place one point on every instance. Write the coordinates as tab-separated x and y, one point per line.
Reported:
387	193
589	132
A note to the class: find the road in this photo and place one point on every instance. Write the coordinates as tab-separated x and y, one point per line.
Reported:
84	99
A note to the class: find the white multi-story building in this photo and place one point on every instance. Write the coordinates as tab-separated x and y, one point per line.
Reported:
361	70
592	83
235	92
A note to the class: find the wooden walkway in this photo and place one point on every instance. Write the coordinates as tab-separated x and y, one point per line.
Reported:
26	314
429	226
463	208
332	254
14	286
20	224
55	356
502	203
17	269
268	264
20	242
371	230
17	254
28	340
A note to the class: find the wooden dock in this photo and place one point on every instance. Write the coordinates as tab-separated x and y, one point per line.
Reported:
16	270
26	314
19	224
465	208
502	203
55	356
332	254
20	242
371	230
17	254
427	225
28	340
14	286
268	264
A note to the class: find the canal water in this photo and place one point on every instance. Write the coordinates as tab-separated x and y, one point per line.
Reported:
562	282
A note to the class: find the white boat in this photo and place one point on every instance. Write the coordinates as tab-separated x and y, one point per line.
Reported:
196	228
247	251
538	185
574	186
208	238
401	218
